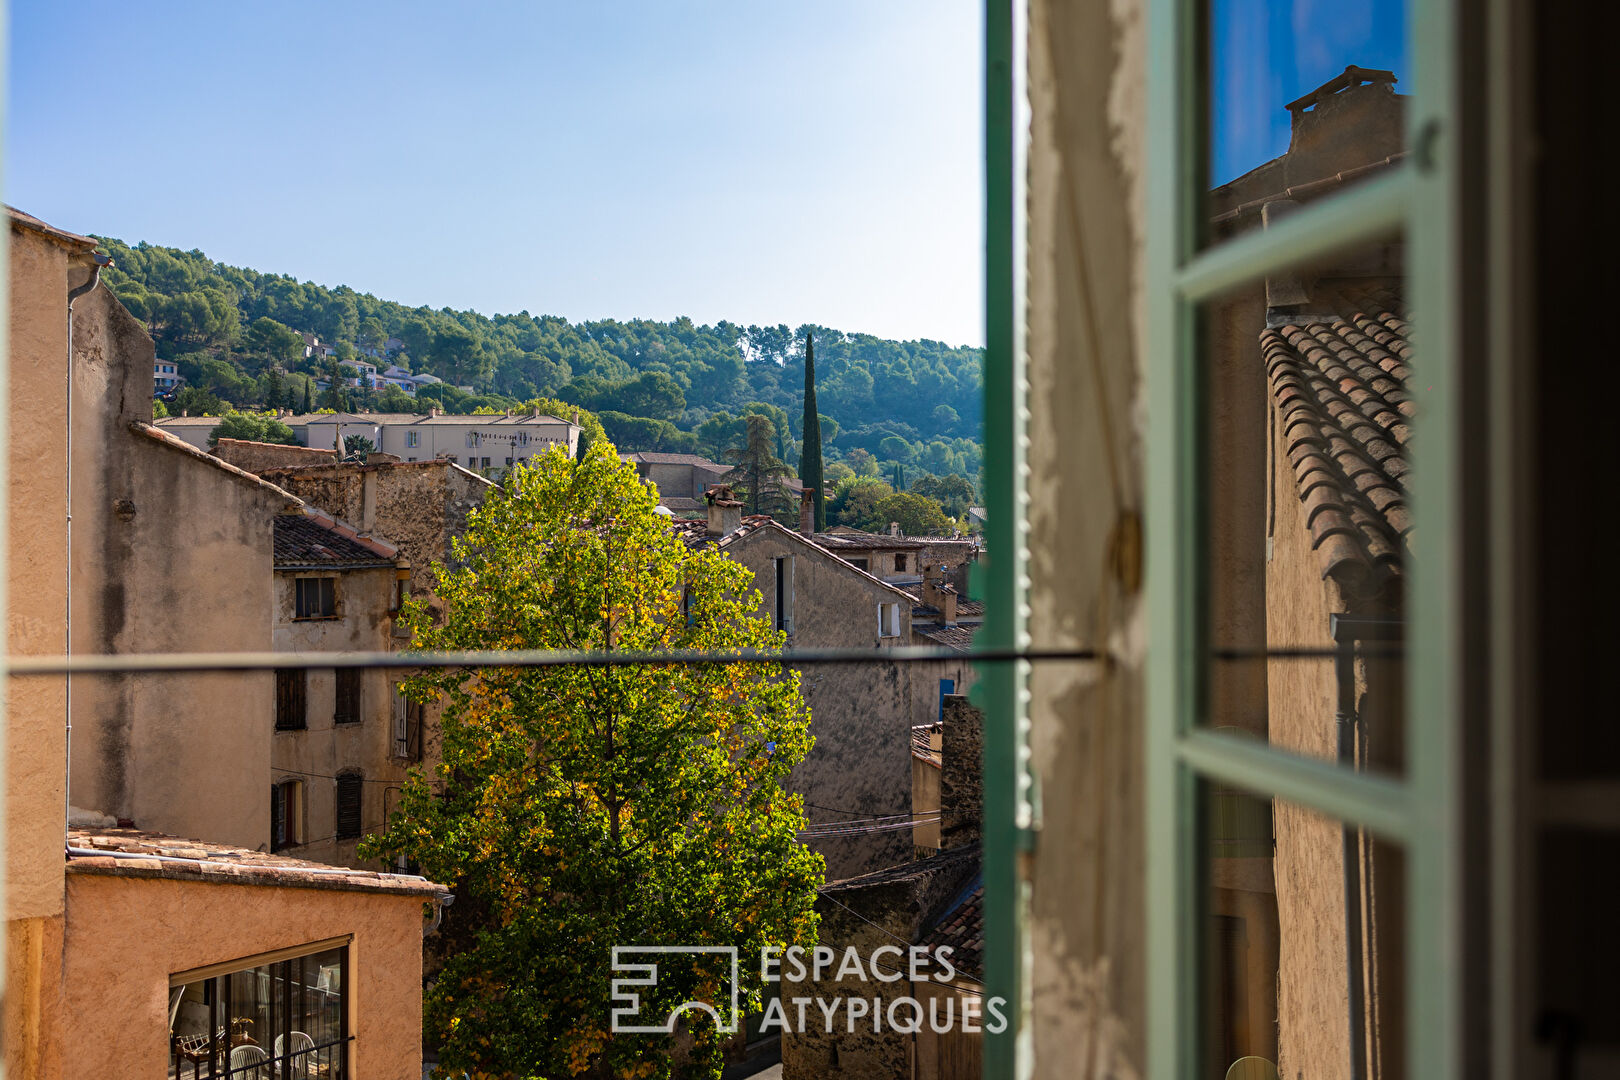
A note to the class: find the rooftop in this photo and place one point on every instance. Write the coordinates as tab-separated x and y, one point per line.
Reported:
962	929
1339	387
861	541
316	539
959	638
133	853
61	236
648	457
175	443
696	535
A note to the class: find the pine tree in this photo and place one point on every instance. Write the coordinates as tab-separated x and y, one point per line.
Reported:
810	457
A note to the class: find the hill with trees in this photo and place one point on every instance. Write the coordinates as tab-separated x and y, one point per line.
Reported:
236	336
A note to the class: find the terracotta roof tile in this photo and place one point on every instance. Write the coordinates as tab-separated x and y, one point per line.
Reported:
962	929
959	638
1339	389
317	539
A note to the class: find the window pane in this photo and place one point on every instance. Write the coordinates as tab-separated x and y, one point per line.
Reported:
1308	426
1302	100
1303	944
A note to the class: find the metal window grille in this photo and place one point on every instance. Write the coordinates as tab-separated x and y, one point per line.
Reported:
350	791
290	699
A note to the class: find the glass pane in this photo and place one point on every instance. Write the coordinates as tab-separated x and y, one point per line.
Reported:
1308	427
1304	946
1302	98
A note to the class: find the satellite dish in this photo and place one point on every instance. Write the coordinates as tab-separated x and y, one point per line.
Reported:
663	511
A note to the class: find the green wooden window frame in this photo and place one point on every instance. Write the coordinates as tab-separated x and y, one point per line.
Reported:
1419	199
1419	810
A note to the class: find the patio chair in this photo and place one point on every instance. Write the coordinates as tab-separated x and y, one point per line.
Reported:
301	1049
249	1062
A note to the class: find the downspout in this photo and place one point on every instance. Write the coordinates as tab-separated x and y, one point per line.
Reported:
67	707
1346	631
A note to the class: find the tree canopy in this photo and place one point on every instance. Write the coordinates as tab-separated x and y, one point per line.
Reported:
579	808
255	427
915	402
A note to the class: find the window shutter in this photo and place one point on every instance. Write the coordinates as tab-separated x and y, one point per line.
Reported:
289	699
349	794
278	818
402	739
347	710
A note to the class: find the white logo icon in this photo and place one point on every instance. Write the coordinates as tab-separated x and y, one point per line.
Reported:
628	1001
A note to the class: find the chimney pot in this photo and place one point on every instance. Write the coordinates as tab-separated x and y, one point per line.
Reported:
894	528
725	512
807	512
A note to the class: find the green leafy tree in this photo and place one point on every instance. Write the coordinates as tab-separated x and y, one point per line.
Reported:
281	343
255	427
918	516
581	808
159	410
862	462
195	401
358	446
810	457
954	493
855	500
756	469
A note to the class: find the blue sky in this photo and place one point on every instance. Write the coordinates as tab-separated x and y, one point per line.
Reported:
759	162
1266	53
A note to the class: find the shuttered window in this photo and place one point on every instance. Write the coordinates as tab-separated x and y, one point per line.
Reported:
290	699
286	814
347	708
350	787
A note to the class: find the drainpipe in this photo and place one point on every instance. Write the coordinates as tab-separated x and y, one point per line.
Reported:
67	708
1346	631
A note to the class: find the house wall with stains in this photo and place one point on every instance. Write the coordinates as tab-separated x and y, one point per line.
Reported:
861	714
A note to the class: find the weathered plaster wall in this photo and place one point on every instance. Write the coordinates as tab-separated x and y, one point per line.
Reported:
171	554
40	275
860	713
36	492
1084	330
326	749
126	936
257	456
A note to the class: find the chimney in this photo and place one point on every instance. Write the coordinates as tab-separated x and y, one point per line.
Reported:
433	410
576	418
725	512
368	501
894	528
807	512
939	594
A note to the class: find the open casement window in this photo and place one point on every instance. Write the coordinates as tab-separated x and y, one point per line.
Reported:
1302	836
286	814
271	1016
888	620
407	727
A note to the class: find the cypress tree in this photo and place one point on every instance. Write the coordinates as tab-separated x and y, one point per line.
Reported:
810	457
309	405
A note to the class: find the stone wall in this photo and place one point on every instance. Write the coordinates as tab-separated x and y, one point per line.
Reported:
961	786
256	457
861	714
888	908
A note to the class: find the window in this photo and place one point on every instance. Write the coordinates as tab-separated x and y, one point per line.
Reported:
315	598
413	438
290	699
346	709
784	594
407	727
888	620
472	463
350	794
286	814
473	438
276	1015
859	564
508	463
899	562
486	463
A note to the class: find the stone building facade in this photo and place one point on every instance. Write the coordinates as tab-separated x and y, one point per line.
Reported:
344	738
